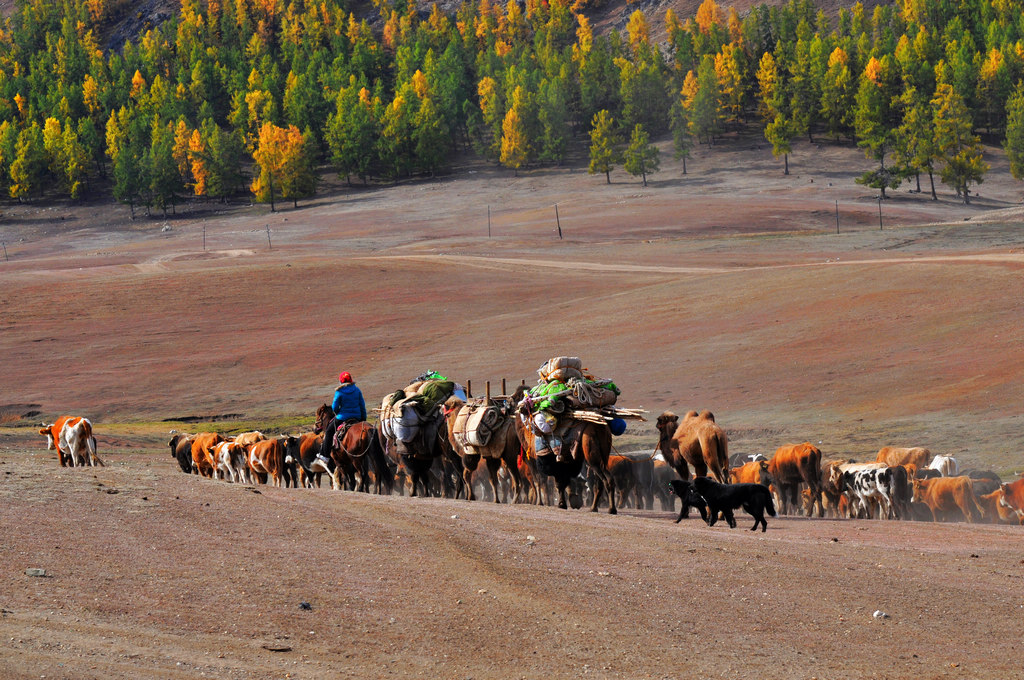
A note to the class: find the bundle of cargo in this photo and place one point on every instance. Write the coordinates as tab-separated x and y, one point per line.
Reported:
403	411
476	422
567	392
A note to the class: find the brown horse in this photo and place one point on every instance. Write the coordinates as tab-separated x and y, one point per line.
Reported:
593	445
502	448
356	456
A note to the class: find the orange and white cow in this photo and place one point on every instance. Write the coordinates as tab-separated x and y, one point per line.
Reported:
72	437
1013	498
270	458
231	462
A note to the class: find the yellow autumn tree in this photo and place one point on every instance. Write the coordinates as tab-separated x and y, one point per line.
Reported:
197	156
709	14
515	147
285	167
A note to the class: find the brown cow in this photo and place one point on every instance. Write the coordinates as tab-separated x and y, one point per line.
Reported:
995	511
754	472
72	438
894	455
621	470
792	465
1013	498
203	460
948	497
268	458
697	440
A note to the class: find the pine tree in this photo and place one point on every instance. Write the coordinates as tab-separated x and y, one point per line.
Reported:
641	157
603	142
1014	143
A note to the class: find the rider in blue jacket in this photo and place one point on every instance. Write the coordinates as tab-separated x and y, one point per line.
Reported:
349	407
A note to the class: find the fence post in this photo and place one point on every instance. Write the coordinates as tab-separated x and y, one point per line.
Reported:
879	213
558	222
488	221
837	216
270	245
6	258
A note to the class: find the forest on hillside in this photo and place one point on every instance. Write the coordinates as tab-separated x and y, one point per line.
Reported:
231	96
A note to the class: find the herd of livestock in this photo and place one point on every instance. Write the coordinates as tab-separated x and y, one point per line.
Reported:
902	483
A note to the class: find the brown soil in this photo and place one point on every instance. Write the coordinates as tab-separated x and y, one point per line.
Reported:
721	290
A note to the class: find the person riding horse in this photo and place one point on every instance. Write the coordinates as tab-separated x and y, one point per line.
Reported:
349	407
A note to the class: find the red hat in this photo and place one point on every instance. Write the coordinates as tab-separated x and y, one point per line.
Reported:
345	377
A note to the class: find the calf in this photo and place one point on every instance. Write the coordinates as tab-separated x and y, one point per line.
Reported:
231	462
948	497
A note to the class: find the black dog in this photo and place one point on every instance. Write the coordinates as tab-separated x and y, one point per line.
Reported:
690	498
753	498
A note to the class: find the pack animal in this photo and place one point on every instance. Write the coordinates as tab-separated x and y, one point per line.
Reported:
695	441
181	450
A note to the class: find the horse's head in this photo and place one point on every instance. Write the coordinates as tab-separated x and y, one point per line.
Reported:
323	416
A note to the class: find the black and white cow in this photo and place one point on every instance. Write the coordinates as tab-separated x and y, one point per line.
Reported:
887	488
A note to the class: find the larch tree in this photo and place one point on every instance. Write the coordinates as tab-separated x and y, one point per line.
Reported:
515	147
603	142
1014	143
959	148
640	157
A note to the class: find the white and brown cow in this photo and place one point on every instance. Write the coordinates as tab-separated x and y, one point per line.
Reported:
73	440
231	462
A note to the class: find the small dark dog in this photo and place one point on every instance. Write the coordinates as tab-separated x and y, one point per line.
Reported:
690	498
753	498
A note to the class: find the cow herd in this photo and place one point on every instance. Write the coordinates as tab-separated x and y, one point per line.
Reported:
901	483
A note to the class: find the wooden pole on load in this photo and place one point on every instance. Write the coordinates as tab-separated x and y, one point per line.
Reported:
469	389
503	392
487	392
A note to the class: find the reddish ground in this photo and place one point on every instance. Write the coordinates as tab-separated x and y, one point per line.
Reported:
716	289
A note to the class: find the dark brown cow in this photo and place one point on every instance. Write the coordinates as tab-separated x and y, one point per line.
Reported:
181	450
792	465
949	498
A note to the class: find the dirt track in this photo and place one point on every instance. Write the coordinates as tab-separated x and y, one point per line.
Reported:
713	290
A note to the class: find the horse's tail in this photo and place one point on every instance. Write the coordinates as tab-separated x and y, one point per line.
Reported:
380	463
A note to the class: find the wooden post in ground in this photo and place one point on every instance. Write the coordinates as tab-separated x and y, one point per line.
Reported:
837	216
558	222
204	238
879	213
6	259
488	221
270	246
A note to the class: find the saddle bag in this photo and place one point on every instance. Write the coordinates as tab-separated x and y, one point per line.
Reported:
475	424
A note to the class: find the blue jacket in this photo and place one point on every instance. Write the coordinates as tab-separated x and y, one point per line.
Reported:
348	403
